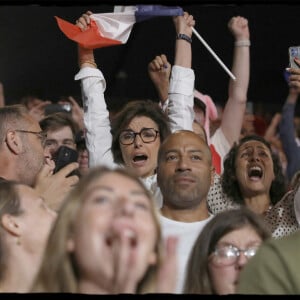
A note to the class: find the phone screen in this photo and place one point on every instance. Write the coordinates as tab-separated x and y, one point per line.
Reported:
294	51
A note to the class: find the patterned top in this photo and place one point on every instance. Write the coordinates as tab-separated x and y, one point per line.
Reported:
281	218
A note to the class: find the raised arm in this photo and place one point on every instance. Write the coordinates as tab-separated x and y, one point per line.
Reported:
159	70
287	127
237	91
181	90
96	115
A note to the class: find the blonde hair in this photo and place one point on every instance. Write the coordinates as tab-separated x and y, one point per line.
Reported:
58	271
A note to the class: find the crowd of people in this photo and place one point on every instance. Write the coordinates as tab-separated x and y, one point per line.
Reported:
173	196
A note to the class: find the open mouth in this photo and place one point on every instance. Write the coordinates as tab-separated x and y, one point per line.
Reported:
255	172
130	235
140	158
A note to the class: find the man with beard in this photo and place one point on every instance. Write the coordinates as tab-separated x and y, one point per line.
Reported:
23	158
184	175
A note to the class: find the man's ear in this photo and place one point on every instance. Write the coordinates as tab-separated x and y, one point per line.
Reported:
10	224
13	142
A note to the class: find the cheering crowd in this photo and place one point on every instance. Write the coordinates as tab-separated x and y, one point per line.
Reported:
163	197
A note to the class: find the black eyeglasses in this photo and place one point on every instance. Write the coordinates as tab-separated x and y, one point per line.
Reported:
147	135
40	134
228	255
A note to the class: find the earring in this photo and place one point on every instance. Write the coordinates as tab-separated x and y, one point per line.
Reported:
18	241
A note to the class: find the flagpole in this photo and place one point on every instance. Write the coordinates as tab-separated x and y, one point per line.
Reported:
213	53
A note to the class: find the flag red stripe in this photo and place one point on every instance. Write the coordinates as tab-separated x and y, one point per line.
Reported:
90	38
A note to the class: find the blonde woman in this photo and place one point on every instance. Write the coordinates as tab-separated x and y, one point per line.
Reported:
107	240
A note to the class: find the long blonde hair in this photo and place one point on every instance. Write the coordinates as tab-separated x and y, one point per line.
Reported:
58	272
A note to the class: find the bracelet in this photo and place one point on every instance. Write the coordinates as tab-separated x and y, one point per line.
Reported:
242	43
182	36
88	62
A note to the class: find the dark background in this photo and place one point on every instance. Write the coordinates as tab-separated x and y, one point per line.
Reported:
36	58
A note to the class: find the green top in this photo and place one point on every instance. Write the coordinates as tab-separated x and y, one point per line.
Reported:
275	269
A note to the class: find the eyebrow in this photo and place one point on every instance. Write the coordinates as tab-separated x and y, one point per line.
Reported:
259	147
60	140
109	189
189	151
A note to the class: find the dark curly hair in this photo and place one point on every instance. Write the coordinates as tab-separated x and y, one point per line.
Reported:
137	108
230	184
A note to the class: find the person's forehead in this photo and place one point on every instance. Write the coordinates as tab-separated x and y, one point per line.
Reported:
184	139
253	144
142	121
61	131
125	184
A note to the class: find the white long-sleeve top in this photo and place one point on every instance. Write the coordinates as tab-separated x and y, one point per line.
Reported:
97	123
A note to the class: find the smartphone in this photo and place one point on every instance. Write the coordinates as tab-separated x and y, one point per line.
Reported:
294	51
64	156
53	108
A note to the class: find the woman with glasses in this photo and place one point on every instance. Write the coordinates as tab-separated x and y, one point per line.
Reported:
221	251
136	132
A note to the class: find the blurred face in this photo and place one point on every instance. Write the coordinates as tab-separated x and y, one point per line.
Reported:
115	232
254	168
184	172
60	137
36	220
224	268
141	157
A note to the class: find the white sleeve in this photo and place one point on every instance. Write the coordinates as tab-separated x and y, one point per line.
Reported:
181	98
96	117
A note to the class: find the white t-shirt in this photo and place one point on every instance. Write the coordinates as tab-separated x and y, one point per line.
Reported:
187	234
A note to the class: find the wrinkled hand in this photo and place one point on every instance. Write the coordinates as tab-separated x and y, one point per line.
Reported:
159	70
54	187
239	28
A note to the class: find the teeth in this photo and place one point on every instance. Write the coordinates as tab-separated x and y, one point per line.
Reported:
255	171
128	233
255	168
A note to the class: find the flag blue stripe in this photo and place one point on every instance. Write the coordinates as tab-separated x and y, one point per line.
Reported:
145	12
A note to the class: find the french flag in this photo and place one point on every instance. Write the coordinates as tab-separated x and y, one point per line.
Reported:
110	29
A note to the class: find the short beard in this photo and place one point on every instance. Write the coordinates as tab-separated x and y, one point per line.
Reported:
181	199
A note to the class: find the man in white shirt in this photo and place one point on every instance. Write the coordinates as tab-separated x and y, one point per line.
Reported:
184	175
